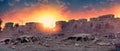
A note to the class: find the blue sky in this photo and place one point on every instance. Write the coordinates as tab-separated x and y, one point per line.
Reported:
72	5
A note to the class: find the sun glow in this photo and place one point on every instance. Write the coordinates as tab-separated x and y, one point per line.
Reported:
48	19
117	9
48	22
48	16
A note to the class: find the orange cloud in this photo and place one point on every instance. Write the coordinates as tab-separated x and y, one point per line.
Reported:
55	12
95	12
60	12
33	14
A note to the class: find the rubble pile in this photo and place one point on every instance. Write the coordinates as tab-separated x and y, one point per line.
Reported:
23	39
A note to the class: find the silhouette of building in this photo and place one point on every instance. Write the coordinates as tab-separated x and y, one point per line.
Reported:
9	25
0	24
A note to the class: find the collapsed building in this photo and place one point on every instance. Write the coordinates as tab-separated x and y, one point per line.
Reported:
102	24
9	25
0	24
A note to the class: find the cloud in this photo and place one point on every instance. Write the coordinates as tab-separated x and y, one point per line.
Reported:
1	0
13	2
26	14
27	4
31	13
17	0
10	4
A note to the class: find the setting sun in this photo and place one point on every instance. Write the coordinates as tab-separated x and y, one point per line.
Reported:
48	22
48	16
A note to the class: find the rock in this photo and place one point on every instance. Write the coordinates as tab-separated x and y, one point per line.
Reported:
76	44
104	44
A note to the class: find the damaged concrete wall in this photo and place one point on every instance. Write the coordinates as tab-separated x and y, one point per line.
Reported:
103	24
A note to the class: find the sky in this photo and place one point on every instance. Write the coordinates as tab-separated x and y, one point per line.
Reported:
35	10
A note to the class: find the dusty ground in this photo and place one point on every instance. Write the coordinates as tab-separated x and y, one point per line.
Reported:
34	48
55	43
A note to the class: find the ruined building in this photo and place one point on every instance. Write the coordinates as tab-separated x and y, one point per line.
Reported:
0	24
8	25
102	24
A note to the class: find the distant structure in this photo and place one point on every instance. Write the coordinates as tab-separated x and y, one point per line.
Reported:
16	25
9	25
0	24
61	25
33	26
109	16
101	24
